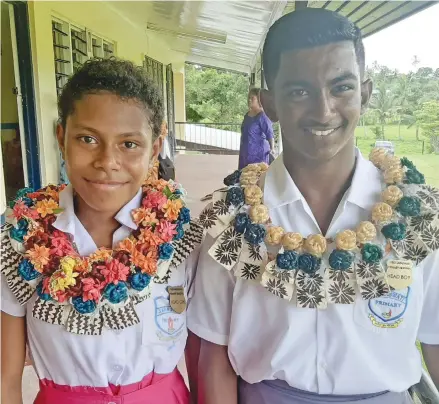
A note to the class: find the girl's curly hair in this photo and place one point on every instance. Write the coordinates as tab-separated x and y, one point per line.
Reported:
116	76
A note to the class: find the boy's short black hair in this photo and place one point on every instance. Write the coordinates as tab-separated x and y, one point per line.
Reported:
116	76
308	28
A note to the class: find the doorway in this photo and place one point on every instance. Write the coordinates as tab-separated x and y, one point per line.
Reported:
19	155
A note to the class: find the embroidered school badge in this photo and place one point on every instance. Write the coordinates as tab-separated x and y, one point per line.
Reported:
170	324
388	311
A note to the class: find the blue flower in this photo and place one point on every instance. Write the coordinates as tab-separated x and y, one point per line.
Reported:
41	294
288	260
165	251
309	263
394	231
83	307
28	202
409	206
116	293
23	192
413	176
235	196
255	234
180	231
27	271
340	260
233	178
242	220
178	192
371	253
139	280
185	215
18	233
407	163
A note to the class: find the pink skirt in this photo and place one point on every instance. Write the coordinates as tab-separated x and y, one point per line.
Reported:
153	389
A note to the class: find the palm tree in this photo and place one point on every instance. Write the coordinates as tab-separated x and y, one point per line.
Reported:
383	103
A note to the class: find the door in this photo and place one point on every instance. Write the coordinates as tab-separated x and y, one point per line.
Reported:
14	173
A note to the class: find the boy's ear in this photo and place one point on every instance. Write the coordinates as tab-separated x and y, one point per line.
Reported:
157	147
267	101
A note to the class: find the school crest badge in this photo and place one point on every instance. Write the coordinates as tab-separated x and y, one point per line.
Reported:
388	311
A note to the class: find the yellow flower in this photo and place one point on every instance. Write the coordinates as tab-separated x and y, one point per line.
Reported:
346	240
274	235
392	195
381	212
65	276
253	195
259	214
46	207
377	156
292	241
394	175
366	232
315	245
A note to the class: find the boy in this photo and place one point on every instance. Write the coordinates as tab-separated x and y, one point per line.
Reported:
347	252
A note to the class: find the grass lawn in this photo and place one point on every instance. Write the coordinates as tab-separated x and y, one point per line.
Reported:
409	147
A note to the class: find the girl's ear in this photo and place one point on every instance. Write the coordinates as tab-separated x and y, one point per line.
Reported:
60	136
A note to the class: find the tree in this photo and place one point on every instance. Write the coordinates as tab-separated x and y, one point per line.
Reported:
428	118
383	103
215	96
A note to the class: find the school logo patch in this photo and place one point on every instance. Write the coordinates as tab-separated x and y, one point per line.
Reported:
170	325
388	311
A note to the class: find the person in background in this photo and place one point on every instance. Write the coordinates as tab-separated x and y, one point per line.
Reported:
257	140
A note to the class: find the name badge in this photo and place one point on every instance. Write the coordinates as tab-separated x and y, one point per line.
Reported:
399	273
177	300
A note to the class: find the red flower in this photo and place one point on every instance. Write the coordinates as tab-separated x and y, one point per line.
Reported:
166	230
114	271
91	289
154	200
123	257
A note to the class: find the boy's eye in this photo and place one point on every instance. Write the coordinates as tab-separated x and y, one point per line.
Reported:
130	145
88	139
298	93
343	88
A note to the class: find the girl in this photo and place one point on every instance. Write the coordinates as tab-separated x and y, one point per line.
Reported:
96	274
257	141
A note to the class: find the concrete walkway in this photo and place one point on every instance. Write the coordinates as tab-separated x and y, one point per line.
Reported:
200	175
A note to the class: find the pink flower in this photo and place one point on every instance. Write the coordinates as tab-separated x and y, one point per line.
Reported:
166	230
114	271
61	244
91	289
154	199
60	296
20	210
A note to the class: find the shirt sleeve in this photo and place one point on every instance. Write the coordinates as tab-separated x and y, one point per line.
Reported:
429	328
9	303
267	127
210	309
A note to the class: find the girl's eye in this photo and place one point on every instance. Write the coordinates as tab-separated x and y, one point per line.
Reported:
88	139
130	145
298	93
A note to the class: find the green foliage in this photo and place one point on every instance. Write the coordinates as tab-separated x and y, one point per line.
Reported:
428	119
215	96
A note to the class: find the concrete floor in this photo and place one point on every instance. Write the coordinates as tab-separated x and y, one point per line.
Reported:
200	175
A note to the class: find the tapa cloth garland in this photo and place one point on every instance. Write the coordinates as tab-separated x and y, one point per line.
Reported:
87	293
314	271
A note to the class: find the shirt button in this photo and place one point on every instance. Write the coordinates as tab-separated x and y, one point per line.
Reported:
117	368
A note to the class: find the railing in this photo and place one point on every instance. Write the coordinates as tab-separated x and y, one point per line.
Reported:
212	138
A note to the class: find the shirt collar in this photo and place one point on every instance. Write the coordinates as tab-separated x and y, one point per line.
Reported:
65	221
280	189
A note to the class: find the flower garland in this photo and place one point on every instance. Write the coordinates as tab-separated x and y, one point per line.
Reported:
239	214
108	275
305	253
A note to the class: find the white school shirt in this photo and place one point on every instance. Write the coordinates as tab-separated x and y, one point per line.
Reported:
334	351
115	357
